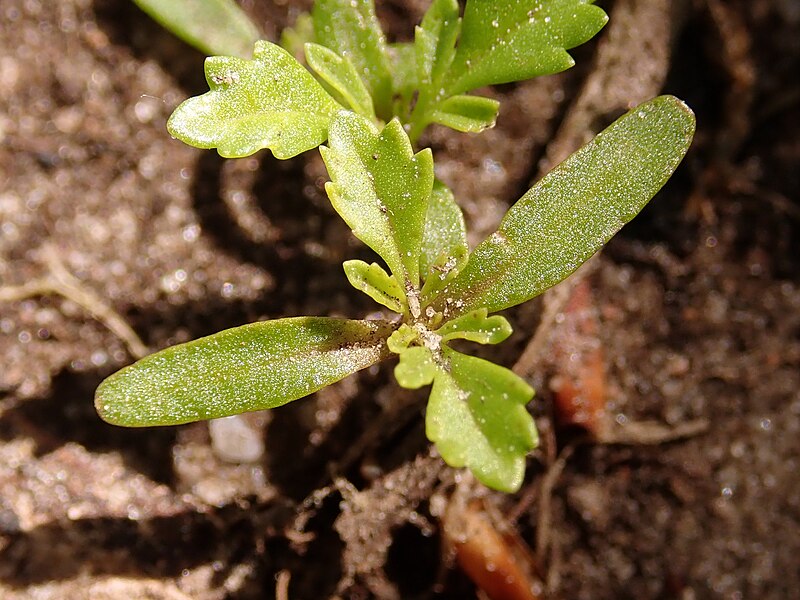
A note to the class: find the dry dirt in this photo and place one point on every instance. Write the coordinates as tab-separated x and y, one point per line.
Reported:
698	302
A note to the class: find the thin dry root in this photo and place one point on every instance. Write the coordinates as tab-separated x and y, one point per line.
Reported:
282	585
61	282
544	521
633	433
651	433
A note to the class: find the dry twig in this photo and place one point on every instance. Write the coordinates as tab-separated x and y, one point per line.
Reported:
61	282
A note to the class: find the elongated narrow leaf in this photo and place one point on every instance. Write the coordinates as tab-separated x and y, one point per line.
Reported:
405	83
351	29
340	74
381	189
575	209
445	231
434	47
444	245
470	114
518	39
477	419
268	102
376	283
435	41
211	26
252	367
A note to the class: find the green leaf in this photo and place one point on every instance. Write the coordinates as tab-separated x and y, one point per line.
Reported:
351	29
476	326
402	338
405	84
252	367
211	26
416	368
476	413
435	41
519	39
377	284
477	418
340	74
381	190
445	231
444	244
268	102
434	45
470	114
574	210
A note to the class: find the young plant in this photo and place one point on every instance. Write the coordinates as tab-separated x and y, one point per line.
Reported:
274	102
440	290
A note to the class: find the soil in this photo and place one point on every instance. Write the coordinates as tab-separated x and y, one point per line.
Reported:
698	322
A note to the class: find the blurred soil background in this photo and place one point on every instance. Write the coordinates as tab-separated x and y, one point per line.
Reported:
668	371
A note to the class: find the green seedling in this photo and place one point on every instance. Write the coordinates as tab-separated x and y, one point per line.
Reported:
387	194
371	100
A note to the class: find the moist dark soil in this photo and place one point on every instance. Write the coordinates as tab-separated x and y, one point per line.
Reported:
698	323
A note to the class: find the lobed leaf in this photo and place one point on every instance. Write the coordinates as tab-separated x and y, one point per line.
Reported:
416	368
377	284
477	418
476	412
252	367
340	74
211	26
519	39
574	210
268	102
381	189
476	326
351	29
402	338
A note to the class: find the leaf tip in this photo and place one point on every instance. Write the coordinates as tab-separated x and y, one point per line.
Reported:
108	403
101	405
677	111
